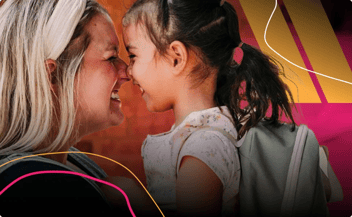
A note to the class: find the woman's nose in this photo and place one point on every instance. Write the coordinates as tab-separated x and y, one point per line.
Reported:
122	71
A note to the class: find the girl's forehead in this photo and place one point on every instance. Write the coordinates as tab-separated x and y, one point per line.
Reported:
135	35
137	30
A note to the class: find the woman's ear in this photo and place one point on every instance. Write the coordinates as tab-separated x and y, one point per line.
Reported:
50	66
179	55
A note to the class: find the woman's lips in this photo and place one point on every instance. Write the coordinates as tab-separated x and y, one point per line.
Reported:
115	96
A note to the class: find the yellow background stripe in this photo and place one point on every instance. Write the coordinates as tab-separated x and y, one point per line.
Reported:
280	39
322	47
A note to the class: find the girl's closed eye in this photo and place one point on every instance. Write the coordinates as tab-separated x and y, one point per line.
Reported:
131	57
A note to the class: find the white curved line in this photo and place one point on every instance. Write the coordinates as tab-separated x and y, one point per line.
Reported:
266	28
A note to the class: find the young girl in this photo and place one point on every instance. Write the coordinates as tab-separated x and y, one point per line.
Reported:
182	57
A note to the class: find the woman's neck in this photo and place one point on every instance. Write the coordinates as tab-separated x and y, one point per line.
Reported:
56	155
61	158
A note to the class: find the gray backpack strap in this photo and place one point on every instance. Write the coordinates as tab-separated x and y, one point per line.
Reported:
86	164
293	171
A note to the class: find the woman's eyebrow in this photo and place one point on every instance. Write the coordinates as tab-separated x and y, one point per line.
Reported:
112	47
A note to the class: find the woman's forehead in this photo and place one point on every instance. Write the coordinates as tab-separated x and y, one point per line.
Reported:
103	32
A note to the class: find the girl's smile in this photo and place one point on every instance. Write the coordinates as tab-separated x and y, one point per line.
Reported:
148	70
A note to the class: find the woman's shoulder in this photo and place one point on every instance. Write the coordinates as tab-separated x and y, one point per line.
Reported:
40	173
19	163
23	167
35	177
82	161
24	183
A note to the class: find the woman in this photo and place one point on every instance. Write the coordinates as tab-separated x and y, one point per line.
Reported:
60	74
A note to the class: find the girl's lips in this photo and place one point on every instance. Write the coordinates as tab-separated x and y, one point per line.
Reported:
135	83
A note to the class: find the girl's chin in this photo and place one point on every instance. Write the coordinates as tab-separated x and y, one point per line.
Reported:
156	106
157	109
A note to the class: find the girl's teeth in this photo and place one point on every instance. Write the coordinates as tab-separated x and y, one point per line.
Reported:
141	89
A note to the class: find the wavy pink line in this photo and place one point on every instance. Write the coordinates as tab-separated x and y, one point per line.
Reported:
71	173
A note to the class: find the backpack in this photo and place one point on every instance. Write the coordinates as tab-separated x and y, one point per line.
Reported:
283	172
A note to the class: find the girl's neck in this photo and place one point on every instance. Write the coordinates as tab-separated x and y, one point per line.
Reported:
192	100
180	116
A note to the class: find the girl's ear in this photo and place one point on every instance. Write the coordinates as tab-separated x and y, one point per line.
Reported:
179	55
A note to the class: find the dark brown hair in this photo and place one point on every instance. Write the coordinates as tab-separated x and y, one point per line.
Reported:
213	31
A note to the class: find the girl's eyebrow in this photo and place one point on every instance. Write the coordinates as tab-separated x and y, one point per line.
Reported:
129	47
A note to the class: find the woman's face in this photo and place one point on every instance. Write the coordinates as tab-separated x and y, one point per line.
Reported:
100	79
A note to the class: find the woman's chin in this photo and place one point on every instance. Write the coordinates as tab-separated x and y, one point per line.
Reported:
113	120
116	118
118	121
116	114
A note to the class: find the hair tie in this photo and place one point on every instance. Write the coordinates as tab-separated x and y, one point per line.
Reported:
61	25
238	54
222	2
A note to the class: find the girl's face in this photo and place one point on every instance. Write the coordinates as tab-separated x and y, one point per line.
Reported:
102	75
148	69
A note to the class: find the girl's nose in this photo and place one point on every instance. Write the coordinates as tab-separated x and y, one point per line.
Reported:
129	72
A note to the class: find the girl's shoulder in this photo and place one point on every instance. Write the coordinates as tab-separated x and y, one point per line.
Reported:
213	123
210	137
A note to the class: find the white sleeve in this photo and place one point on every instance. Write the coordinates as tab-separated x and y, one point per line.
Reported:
216	151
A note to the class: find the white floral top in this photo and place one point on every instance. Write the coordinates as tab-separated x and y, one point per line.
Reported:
162	155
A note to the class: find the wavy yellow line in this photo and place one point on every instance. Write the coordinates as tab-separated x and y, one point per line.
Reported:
87	153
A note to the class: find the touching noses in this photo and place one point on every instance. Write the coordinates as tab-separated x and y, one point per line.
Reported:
129	72
122	71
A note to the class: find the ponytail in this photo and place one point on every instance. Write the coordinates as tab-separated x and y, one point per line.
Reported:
254	82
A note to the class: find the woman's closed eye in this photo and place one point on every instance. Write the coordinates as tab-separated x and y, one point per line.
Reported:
112	58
